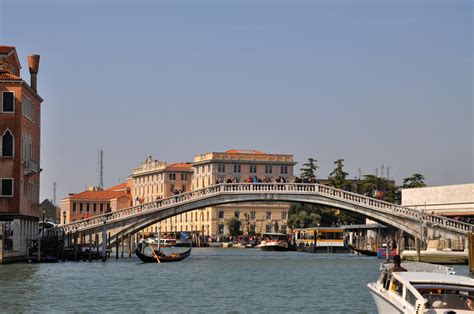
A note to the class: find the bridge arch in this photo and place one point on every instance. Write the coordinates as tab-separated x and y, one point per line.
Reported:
131	220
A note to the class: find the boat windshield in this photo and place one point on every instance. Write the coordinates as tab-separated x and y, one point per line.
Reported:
449	301
275	237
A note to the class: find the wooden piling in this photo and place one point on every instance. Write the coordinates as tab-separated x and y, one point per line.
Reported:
104	242
121	246
97	243
129	246
108	244
116	247
75	246
90	246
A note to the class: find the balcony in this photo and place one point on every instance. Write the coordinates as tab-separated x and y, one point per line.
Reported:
31	167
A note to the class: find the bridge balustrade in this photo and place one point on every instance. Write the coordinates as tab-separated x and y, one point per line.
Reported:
264	188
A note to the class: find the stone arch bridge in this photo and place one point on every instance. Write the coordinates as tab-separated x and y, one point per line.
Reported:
131	220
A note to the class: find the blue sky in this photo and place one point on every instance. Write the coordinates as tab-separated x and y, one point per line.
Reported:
374	82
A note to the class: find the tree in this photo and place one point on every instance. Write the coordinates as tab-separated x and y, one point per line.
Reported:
338	176
308	171
371	184
414	181
234	226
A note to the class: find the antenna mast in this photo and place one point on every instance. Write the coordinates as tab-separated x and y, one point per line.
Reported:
101	169
54	193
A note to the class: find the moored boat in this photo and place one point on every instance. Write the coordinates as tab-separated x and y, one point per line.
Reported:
423	288
434	255
362	251
274	242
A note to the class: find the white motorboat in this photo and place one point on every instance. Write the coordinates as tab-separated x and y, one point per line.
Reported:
274	242
423	288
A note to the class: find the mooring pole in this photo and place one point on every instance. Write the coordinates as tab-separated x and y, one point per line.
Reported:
104	241
116	247
129	246
75	246
90	246
121	246
418	249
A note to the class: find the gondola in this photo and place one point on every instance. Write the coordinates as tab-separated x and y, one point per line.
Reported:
364	252
159	256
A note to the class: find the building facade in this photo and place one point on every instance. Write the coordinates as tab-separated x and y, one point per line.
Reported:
155	179
95	201
20	122
447	200
235	166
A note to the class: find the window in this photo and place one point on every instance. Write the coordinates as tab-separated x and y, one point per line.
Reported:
397	287
220	168
221	229
172	176
184	176
237	168
237	214
252	215
6	187
284	170
7	144
81	209
108	207
88	207
283	228
221	214
74	208
94	207
28	108
410	297
8	102
268	169
268	228
252	229
101	208
253	168
269	215
283	215
186	217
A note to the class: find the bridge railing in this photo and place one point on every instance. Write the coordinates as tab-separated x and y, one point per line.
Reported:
272	188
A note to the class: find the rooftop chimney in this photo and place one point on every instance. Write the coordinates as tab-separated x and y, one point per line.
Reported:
33	65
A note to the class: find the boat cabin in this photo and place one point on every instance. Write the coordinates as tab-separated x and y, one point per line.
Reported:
418	291
274	237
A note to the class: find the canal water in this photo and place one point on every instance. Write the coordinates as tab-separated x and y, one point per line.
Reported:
210	280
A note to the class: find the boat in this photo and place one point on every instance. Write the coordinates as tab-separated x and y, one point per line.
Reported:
423	288
434	255
274	242
382	252
362	251
158	256
320	239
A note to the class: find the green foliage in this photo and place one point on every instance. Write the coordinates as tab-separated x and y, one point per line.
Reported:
307	216
309	169
338	176
371	184
414	181
233	224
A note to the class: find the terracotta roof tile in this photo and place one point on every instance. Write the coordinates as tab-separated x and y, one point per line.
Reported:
9	77
6	49
179	166
97	195
118	187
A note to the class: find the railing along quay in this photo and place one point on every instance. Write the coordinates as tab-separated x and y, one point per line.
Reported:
270	189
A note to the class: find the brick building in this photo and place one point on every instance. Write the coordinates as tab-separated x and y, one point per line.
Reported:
20	122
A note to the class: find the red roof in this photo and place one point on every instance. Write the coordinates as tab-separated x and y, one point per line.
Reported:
243	151
179	166
97	195
6	49
118	187
9	77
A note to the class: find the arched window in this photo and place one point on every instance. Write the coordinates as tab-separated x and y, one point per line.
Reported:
7	144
